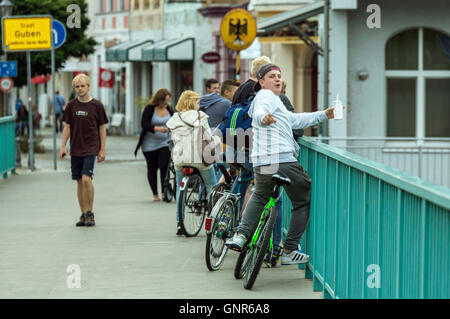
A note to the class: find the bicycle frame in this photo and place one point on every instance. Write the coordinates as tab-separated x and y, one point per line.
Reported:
273	199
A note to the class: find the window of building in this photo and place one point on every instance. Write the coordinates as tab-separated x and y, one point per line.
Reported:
418	84
146	4
136	4
156	4
111	5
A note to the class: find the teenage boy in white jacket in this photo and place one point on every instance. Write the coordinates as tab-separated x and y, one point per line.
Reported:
274	151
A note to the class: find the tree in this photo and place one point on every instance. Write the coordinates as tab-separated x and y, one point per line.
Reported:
76	45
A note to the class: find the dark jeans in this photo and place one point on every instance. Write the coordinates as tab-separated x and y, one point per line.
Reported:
299	192
59	121
158	159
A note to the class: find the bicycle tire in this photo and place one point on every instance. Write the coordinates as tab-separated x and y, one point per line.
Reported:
168	196
191	221
259	254
241	264
215	234
170	188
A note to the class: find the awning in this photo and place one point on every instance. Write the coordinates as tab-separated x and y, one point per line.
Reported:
169	50
135	53
120	52
41	79
111	52
290	17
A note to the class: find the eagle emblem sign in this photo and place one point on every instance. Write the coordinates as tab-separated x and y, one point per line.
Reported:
238	29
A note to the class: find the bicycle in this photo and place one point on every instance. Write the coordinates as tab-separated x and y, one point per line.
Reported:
251	257
224	218
170	183
192	204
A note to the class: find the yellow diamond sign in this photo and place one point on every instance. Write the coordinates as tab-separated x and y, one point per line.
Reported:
238	29
27	33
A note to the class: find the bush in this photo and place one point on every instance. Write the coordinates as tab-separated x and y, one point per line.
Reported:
38	147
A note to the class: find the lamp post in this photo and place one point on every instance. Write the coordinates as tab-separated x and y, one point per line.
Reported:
6	8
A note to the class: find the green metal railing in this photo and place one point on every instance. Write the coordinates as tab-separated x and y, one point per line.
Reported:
374	232
7	145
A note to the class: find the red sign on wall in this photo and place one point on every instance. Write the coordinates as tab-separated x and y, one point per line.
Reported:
106	78
211	57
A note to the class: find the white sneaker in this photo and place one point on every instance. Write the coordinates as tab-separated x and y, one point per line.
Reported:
295	257
237	242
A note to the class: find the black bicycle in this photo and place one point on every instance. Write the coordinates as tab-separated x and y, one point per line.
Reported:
170	183
192	204
224	218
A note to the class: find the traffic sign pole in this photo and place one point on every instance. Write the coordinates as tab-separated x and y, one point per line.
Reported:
58	37
54	108
30	117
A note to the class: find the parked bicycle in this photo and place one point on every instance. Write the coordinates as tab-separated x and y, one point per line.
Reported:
170	183
251	257
224	218
192	204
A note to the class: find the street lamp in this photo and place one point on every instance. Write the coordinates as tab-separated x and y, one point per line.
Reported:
6	8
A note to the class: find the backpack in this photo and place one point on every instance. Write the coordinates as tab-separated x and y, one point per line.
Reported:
236	117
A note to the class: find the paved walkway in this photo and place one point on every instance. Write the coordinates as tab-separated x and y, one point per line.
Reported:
132	252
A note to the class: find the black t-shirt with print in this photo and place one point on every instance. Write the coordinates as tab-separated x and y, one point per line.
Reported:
84	120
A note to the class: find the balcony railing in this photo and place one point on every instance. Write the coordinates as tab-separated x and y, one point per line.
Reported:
427	158
374	231
7	145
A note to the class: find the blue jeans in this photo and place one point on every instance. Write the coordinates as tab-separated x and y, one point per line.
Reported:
209	177
243	158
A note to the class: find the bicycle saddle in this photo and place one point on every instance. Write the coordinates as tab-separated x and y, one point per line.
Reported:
280	180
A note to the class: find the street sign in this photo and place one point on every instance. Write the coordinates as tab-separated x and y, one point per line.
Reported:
8	68
238	29
59	33
6	85
32	33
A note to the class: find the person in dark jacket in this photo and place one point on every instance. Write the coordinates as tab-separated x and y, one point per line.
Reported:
154	138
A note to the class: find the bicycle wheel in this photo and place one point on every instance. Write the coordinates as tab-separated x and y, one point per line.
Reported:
242	263
259	250
170	184
216	250
191	206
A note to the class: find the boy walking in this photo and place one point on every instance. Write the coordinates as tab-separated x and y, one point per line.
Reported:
85	119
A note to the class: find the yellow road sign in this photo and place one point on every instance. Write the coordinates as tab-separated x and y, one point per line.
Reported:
27	33
238	29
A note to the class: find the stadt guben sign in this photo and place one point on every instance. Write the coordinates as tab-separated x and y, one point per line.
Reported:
27	33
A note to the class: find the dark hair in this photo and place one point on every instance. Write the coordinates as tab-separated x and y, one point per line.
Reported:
210	82
159	97
227	85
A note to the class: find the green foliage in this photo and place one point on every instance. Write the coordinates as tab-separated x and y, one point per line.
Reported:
76	45
142	101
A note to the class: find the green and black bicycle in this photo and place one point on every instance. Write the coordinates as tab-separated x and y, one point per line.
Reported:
252	255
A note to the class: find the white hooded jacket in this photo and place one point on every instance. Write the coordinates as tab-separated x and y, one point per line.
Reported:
184	137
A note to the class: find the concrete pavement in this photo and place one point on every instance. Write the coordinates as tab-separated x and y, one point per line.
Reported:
132	252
